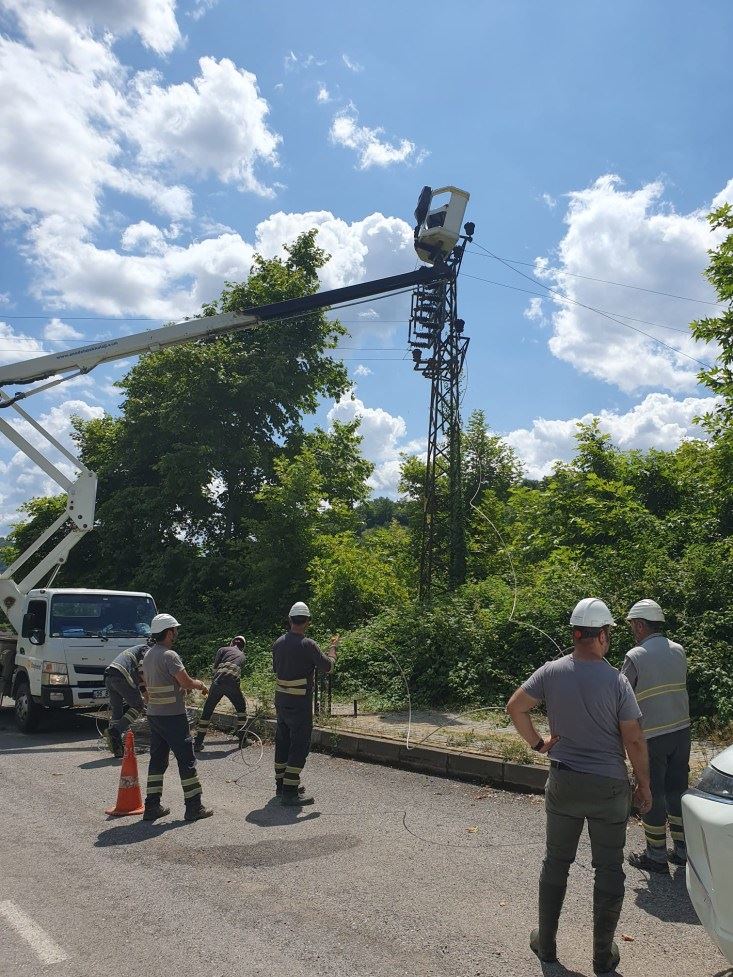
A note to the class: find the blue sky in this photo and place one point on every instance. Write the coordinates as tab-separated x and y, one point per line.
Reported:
150	147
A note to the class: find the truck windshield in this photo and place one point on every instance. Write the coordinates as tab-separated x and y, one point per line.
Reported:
101	615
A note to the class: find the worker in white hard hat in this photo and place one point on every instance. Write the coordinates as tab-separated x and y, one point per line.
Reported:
295	659
593	719
657	671
167	682
227	682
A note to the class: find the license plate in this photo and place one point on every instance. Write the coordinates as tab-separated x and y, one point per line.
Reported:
100	694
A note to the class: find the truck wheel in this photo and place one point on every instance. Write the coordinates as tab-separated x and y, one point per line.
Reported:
27	712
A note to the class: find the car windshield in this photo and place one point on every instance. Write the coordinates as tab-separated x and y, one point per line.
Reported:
101	616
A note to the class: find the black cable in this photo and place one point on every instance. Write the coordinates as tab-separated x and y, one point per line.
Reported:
529	291
590	308
605	281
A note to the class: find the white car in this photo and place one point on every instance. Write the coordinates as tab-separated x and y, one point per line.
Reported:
707	813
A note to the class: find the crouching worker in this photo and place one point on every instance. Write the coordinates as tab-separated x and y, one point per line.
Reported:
167	681
295	658
228	664
123	679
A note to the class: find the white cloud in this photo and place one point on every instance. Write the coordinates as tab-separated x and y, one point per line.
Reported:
17	346
323	94
295	62
153	20
351	64
369	144
725	196
362	371
215	125
382	440
21	479
659	421
201	8
169	284
534	311
549	201
54	154
637	238
56	329
144	237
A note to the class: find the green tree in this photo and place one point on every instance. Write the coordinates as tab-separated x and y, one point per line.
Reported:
719	329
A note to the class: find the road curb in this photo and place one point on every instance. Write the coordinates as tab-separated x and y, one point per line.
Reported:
454	764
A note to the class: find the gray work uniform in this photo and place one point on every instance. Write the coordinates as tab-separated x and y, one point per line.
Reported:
122	680
228	664
295	659
169	728
588	781
657	671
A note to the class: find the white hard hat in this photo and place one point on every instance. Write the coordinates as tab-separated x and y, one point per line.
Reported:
299	609
161	622
647	609
591	612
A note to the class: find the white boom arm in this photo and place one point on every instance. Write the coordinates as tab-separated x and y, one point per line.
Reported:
85	358
81	491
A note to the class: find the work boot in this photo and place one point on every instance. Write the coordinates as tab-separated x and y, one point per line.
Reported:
198	744
279	789
609	963
294	798
197	813
606	912
546	956
155	811
644	861
677	856
551	900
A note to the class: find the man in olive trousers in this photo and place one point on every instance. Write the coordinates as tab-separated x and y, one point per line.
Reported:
593	717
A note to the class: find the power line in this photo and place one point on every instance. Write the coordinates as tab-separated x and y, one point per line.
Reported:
590	308
528	291
604	281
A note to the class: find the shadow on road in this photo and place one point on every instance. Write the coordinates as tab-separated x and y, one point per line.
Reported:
216	754
558	970
666	898
261	854
273	814
139	830
104	761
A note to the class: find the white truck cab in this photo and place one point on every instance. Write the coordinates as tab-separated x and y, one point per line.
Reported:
67	639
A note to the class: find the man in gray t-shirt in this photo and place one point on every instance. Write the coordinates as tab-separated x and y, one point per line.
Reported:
167	681
594	718
585	701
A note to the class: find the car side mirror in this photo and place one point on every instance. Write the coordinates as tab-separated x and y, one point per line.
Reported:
37	636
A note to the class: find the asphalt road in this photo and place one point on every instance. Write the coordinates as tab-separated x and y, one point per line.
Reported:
390	873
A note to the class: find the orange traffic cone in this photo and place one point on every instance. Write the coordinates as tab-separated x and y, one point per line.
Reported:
129	797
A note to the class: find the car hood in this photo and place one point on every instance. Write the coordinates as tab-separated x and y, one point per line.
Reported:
724	761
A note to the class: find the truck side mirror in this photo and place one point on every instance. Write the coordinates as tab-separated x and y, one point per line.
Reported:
32	629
